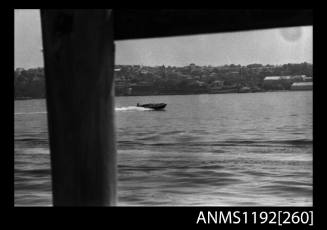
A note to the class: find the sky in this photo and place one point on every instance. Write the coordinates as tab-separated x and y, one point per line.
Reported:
271	46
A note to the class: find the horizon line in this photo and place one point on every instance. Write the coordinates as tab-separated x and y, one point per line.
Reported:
209	65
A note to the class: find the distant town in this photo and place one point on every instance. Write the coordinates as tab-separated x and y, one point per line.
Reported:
138	80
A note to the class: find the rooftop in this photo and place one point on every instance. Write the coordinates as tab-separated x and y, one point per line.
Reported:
302	84
273	78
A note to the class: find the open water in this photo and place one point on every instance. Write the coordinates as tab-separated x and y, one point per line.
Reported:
252	149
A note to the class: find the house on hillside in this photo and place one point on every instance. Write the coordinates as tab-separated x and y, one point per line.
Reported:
302	86
277	82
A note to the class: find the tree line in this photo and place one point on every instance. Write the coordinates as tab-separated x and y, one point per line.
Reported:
30	83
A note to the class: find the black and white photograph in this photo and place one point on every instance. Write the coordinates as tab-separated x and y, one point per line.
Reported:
187	115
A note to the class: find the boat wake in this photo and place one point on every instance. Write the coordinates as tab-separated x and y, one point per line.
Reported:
132	108
128	108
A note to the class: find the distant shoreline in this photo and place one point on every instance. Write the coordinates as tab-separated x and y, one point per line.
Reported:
26	98
141	95
136	80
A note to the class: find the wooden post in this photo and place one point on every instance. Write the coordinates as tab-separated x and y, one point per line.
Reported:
79	62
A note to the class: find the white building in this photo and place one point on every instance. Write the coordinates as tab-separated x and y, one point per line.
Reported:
302	86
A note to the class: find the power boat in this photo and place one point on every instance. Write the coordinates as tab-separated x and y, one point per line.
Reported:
155	106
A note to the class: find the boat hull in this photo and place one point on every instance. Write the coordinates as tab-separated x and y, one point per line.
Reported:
159	106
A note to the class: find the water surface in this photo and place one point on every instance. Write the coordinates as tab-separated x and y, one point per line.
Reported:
251	149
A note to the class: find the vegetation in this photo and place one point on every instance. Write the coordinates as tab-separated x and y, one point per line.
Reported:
146	80
29	83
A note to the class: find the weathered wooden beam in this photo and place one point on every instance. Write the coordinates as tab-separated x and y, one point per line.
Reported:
131	24
79	62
